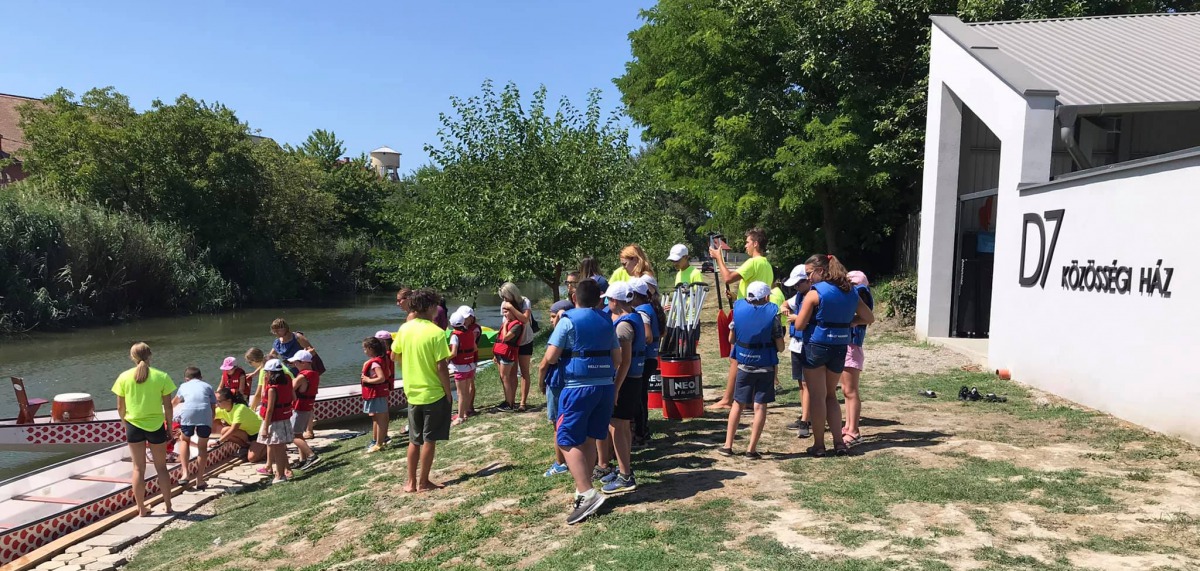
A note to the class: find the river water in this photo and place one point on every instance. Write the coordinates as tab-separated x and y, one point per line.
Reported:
89	360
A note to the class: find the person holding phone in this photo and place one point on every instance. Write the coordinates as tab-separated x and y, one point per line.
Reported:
756	269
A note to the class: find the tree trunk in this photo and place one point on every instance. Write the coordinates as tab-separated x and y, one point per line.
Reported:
554	282
828	220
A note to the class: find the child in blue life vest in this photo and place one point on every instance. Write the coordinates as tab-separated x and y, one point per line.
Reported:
550	382
756	336
797	281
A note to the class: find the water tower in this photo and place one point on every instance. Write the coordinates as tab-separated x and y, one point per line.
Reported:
386	162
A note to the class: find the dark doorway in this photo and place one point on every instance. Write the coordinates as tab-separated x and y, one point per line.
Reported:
979	174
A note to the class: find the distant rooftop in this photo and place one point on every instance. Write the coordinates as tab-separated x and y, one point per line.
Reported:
1104	63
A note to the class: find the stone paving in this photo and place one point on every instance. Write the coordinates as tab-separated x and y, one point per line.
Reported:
103	552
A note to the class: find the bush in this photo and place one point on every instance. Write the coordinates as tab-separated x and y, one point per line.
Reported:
900	295
71	264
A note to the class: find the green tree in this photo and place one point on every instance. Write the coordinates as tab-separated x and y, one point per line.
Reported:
525	192
324	147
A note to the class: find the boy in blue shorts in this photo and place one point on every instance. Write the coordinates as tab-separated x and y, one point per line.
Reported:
550	382
757	338
584	345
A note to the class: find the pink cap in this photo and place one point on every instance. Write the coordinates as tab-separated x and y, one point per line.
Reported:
228	364
858	278
383	334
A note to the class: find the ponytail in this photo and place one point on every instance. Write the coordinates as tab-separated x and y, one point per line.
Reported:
235	397
831	269
140	354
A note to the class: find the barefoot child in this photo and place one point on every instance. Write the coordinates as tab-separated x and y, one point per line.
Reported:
424	357
194	402
239	425
276	411
306	385
375	392
464	342
757	338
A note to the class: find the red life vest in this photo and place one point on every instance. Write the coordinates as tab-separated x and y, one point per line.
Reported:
305	400
467	345
285	397
379	390
235	380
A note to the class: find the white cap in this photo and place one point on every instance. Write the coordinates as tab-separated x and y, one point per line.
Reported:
457	319
301	356
465	311
620	291
678	252
638	286
758	291
650	280
798	275
273	365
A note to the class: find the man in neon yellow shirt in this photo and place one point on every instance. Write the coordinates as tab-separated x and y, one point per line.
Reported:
756	269
684	272
423	356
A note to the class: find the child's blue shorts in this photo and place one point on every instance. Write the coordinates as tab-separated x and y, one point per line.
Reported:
584	412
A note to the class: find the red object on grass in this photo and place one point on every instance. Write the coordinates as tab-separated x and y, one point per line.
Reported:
683	388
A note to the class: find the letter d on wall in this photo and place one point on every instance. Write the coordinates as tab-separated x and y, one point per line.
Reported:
1038	277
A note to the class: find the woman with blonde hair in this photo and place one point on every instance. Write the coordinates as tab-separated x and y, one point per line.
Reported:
634	264
144	405
523	312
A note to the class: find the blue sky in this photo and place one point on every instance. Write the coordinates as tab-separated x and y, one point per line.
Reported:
376	73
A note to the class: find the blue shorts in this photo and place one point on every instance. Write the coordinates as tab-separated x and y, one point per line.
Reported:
832	357
201	430
377	405
584	412
552	403
754	387
797	366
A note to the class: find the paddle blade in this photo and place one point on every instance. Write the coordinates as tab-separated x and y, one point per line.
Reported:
723	320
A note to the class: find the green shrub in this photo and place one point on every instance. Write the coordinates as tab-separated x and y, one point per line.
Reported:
900	295
71	264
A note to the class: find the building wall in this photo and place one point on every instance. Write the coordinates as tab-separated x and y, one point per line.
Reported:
1127	353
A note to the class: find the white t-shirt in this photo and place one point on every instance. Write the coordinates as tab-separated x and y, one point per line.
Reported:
794	345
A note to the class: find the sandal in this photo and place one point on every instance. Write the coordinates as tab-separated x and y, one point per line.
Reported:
852	439
841	451
815	452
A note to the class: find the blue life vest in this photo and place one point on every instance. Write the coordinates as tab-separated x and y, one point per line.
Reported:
590	357
287	350
638	345
753	343
792	331
606	311
835	311
655	333
554	375
859	335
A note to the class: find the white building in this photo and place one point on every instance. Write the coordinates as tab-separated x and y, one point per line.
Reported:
1062	177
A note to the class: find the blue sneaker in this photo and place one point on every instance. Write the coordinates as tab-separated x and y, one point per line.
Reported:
609	477
621	484
556	469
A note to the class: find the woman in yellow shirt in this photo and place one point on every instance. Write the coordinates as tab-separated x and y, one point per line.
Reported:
634	264
238	425
144	404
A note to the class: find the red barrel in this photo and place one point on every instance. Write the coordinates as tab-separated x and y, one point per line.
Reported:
654	388
682	387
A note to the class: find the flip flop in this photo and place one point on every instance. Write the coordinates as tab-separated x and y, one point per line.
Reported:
852	440
815	452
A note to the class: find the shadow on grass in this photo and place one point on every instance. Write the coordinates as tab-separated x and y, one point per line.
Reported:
679	486
490	470
899	439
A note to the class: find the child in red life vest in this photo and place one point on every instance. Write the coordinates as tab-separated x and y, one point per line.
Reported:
389	362
306	385
233	377
375	391
464	351
278	401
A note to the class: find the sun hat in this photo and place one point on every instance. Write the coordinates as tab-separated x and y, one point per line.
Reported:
798	275
758	291
228	364
858	278
678	252
273	365
301	356
620	291
383	334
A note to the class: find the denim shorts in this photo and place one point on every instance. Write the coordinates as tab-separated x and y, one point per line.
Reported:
201	430
758	388
832	357
552	403
378	405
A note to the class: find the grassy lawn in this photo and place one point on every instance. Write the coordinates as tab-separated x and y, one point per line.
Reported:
1034	483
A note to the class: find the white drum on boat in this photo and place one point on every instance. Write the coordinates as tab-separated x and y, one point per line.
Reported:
73	407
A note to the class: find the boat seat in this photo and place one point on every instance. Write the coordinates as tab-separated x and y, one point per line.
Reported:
49	500
28	407
105	479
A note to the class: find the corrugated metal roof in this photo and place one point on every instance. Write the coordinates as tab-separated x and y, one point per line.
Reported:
1108	60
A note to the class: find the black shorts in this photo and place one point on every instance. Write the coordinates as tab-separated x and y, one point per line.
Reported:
526	349
429	422
757	388
629	399
134	434
797	366
201	430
